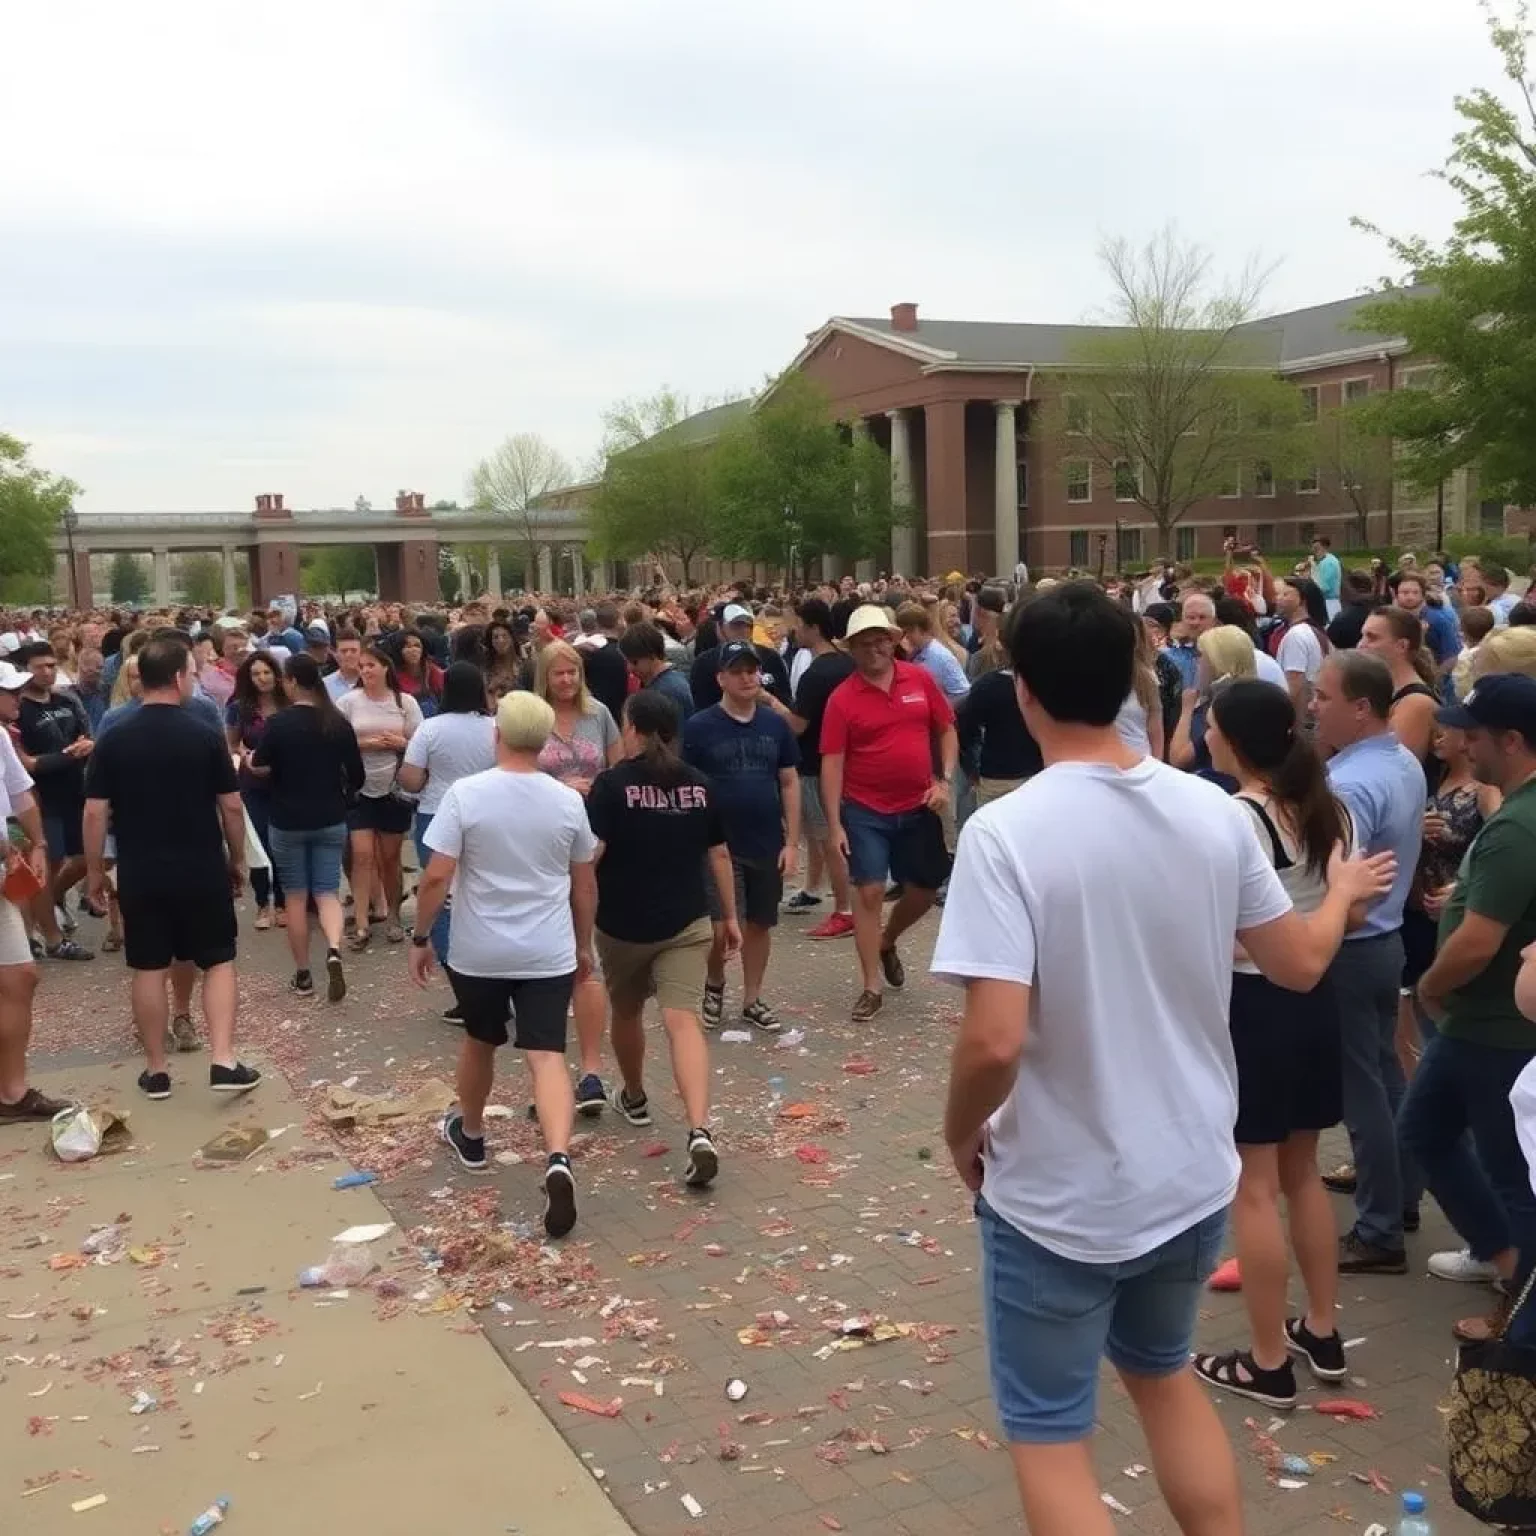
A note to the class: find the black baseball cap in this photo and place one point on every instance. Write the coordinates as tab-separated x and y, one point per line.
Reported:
734	652
1504	702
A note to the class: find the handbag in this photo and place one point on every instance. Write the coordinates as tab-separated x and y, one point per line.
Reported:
1491	1428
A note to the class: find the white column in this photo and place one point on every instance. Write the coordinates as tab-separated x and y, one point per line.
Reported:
1006	508
863	570
231	593
461	569
61	581
493	572
578	571
546	569
903	538
162	560
604	577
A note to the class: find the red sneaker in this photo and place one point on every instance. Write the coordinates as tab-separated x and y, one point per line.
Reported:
838	926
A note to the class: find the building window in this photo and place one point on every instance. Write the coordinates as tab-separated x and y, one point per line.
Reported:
1309	395
1308	532
1355	390
1079	480
1077	547
1263	479
1184	543
1023	473
1490	517
1127	480
1128	549
1079	415
1264	537
1228	531
1233	487
1422	377
1307	484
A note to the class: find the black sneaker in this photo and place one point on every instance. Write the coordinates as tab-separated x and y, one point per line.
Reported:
1341	1180
590	1096
1357	1257
713	1012
559	1196
1324	1356
1240	1374
802	901
1411	1219
302	985
636	1111
703	1160
155	1085
453	1015
236	1079
335	977
469	1149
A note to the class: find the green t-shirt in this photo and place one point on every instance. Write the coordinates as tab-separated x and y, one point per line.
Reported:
1497	880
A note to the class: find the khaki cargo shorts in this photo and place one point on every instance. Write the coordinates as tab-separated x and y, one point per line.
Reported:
670	970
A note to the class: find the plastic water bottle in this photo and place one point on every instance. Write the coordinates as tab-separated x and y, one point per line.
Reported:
1414	1522
210	1517
775	1095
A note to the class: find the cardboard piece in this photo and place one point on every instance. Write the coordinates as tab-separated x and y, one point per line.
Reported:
234	1145
345	1108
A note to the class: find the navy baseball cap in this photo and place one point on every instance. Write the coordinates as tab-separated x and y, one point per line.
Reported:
1504	702
734	652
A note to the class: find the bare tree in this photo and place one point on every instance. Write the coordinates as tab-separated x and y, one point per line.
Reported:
1176	399
509	483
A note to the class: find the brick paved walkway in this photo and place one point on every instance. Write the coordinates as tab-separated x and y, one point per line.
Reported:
849	1214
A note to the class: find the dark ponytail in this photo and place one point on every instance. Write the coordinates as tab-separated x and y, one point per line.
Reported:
1259	723
656	720
303	671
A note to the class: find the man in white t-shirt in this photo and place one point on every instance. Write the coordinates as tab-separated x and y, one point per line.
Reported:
516	846
1093	1088
1302	648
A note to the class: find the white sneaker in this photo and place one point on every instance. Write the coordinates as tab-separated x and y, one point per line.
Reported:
1462	1267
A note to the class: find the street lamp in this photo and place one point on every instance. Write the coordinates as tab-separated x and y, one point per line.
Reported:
71	521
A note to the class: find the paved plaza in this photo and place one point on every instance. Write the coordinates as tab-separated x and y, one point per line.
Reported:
833	1271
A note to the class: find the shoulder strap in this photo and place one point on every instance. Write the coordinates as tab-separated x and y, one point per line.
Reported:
1410	690
1282	860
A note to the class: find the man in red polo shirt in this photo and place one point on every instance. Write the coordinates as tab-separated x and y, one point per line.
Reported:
880	795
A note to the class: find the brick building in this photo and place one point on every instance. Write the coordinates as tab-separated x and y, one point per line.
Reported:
962	407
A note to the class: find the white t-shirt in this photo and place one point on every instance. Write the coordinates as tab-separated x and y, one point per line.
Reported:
1301	651
515	836
449	747
1117	1134
15	781
1522	1100
1269	670
797	668
380	717
1131	724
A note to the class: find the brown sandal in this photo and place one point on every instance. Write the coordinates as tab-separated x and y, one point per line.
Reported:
868	1005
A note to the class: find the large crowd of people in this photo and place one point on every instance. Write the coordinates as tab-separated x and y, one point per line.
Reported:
1222	860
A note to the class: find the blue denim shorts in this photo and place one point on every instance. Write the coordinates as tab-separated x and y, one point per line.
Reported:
1051	1320
907	845
308	860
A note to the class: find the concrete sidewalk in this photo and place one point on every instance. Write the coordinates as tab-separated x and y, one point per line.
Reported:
312	1412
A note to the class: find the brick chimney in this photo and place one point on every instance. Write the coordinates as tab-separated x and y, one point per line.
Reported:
277	502
402	502
903	317
410	504
263	506
270	506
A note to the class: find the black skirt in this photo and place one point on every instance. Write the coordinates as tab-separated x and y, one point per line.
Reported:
1289	1063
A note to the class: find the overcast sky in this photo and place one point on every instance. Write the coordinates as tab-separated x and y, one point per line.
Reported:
331	247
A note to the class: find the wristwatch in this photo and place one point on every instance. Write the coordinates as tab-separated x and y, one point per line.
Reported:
420	940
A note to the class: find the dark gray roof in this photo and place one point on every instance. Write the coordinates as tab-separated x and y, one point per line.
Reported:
703	426
1280	339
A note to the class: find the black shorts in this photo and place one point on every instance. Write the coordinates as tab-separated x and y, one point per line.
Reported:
1290	1074
381	813
63	827
159	927
537	1007
759	890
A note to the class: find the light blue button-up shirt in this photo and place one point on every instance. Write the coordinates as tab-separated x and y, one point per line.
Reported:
940	662
1382	784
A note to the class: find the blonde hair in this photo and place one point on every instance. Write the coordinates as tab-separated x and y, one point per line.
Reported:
524	721
1507	650
558	650
1228	650
122	684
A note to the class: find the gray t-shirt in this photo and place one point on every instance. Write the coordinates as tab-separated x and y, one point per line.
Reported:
584	754
450	747
380	717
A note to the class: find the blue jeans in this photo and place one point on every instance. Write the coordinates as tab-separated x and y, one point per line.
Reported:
266	885
423	857
1461	1086
309	860
1366	976
1050	1320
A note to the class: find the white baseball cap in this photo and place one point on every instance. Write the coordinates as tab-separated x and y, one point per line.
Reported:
12	679
10	642
736	614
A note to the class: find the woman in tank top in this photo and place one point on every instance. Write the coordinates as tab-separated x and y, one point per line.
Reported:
1289	1068
1397	636
1140	721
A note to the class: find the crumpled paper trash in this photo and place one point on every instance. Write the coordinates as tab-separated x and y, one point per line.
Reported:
344	1108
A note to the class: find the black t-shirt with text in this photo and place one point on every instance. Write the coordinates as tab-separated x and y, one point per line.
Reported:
46	727
655	836
817	683
161	772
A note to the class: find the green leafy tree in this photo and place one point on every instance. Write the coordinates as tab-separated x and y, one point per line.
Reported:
1478	319
339	568
509	482
1353	464
1174	401
201	580
129	579
31	503
793	484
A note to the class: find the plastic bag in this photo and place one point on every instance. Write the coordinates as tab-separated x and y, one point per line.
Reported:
348	1264
75	1135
